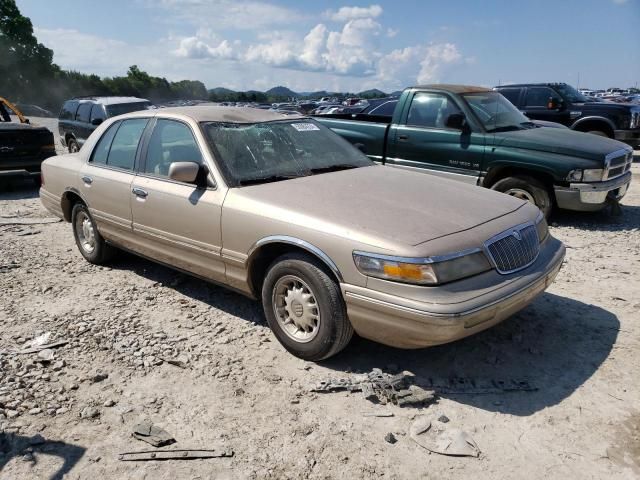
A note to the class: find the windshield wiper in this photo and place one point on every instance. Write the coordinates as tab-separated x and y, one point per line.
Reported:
505	128
268	178
333	168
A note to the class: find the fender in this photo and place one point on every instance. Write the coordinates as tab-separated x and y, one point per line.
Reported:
593	118
298	243
63	199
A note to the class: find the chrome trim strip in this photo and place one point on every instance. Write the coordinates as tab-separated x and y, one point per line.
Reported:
298	243
506	234
418	260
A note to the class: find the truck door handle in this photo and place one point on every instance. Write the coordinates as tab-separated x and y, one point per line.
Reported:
403	137
87	180
138	192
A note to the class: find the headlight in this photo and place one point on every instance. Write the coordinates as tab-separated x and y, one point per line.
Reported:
588	175
422	271
592	175
542	227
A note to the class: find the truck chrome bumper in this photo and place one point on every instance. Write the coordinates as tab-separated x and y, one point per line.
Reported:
592	196
401	323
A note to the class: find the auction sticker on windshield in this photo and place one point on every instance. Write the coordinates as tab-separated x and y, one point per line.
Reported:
304	127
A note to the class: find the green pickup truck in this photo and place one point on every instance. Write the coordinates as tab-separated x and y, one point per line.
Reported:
477	136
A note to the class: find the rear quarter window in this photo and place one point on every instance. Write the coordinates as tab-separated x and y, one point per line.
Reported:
68	111
84	110
511	94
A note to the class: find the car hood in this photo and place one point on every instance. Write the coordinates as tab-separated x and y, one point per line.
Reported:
560	141
377	205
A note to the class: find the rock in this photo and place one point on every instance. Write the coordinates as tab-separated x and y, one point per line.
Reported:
443	418
37	439
109	403
35	411
59	365
12	413
98	377
89	412
62	411
390	438
46	355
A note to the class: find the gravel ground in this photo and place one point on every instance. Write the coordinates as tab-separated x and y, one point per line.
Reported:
145	342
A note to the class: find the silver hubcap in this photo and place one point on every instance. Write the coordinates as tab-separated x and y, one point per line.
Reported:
521	194
296	309
86	234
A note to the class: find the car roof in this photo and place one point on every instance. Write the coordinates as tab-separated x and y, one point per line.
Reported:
210	113
447	87
111	100
547	84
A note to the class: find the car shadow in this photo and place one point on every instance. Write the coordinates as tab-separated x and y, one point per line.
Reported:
629	219
556	344
13	445
18	190
212	294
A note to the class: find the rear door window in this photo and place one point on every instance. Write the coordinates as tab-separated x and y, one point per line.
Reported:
124	146
84	111
68	111
511	94
101	151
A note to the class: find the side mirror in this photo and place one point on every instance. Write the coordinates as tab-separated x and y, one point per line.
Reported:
186	172
96	121
553	103
456	121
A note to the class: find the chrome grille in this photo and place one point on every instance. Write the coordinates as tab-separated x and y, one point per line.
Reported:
514	249
618	163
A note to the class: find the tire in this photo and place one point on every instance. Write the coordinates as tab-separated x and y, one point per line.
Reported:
89	241
73	146
527	188
319	327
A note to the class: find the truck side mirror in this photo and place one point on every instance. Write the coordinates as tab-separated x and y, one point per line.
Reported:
456	121
96	121
360	146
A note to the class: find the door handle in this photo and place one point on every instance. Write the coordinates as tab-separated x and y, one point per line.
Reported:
138	192
87	180
403	137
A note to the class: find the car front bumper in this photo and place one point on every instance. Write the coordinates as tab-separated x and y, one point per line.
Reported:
592	196
407	323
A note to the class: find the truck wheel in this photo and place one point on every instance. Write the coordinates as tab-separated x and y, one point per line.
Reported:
526	188
304	308
73	145
89	241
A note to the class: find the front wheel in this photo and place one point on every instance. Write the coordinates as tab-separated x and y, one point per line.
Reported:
526	188
304	308
89	241
73	145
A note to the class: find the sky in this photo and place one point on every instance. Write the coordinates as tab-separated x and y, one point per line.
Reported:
347	45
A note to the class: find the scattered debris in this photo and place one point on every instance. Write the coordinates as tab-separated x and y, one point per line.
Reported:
381	387
30	221
174	454
46	355
89	412
377	414
98	377
443	440
152	434
175	362
38	348
390	438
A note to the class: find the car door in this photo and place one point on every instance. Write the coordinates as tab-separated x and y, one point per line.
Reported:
105	179
536	105
423	141
174	222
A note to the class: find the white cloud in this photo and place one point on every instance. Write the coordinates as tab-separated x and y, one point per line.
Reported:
437	55
345	14
196	47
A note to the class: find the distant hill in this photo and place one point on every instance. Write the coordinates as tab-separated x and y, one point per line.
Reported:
281	92
373	93
221	91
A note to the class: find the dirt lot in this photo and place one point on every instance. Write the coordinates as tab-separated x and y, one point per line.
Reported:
579	344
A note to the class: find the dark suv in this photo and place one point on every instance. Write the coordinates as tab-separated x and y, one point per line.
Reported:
561	103
80	116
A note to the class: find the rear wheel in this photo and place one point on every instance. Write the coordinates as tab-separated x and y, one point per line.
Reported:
89	241
526	188
73	146
304	308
